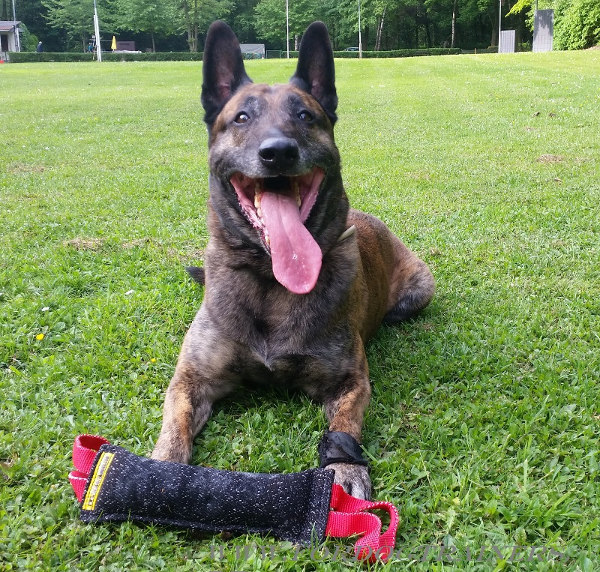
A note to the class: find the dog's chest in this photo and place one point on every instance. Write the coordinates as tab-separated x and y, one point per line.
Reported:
289	342
310	369
284	343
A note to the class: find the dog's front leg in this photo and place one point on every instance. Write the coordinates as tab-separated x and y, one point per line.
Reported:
188	403
202	376
339	449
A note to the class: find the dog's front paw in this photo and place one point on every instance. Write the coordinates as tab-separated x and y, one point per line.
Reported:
171	450
354	478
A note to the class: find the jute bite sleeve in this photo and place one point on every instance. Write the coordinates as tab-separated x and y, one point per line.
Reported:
123	486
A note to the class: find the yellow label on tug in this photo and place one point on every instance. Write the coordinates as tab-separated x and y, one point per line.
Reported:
97	480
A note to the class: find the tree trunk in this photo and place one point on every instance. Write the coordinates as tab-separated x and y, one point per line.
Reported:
153	43
192	38
379	31
494	41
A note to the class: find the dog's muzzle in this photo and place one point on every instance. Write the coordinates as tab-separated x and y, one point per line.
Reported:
278	207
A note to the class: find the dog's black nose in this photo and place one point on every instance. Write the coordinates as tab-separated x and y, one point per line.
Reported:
279	152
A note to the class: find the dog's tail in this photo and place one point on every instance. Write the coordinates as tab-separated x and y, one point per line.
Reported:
197	273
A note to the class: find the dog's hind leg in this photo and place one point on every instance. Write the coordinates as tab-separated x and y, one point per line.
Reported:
412	287
388	263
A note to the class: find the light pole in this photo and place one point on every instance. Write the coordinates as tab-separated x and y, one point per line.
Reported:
97	32
17	38
359	33
287	28
499	23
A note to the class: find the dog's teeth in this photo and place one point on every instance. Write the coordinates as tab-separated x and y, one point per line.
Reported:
297	194
257	198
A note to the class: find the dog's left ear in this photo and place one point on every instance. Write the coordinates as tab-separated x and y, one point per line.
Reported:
223	69
315	73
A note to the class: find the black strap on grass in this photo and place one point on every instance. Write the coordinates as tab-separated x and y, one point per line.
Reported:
340	447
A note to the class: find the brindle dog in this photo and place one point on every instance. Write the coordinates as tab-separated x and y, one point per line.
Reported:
296	282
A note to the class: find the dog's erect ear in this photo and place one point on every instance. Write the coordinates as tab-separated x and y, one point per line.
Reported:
316	72
223	69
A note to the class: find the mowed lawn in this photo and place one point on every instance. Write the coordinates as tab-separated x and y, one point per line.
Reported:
484	424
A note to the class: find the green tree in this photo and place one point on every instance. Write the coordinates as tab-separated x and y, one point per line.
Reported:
195	16
154	17
73	17
270	21
577	24
34	15
243	21
28	40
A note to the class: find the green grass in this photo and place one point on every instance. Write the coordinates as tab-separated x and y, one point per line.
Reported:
484	424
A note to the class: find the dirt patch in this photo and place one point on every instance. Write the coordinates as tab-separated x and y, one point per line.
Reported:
419	176
186	254
550	159
79	243
24	168
136	243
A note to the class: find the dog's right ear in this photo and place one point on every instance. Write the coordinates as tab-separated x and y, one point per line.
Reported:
223	69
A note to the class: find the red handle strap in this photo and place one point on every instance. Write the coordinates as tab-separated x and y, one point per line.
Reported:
347	517
85	449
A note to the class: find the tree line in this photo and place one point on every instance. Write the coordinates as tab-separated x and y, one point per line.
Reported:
178	25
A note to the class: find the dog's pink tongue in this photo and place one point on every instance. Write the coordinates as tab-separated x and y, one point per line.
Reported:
296	257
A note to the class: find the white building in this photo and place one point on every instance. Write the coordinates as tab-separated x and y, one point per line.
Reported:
8	38
253	51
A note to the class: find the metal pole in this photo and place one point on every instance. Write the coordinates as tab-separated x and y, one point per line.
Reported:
17	38
97	32
287	28
499	23
359	33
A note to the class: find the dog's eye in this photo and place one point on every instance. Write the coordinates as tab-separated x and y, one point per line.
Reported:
305	116
242	117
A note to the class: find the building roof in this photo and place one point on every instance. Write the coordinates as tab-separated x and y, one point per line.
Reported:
8	25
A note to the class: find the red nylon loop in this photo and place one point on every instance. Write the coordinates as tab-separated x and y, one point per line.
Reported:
85	449
348	516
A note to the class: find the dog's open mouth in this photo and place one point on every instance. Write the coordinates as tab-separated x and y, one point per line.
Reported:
278	207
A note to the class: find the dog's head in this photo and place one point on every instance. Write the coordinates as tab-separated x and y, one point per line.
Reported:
275	177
